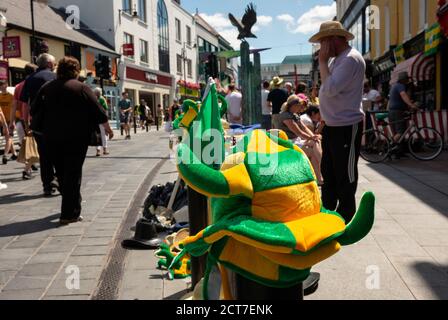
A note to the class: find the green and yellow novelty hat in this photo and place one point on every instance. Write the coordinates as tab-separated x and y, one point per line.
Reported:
268	223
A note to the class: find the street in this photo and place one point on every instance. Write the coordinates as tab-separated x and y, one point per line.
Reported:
404	257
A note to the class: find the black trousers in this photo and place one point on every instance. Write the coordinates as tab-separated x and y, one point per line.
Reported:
47	172
68	159
341	148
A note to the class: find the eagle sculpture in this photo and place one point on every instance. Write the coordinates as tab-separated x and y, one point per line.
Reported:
245	25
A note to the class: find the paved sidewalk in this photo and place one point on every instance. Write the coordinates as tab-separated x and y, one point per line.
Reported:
408	246
35	251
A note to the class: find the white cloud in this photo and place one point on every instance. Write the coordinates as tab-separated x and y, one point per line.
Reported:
221	23
264	20
310	21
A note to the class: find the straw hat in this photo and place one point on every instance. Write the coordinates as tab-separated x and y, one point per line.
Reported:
276	81
329	29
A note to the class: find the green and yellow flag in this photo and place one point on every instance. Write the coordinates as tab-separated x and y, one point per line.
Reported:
399	54
432	39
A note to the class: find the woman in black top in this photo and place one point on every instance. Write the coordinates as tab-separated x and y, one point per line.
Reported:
66	112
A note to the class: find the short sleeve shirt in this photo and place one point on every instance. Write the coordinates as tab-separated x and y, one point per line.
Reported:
396	102
288	116
278	97
124	104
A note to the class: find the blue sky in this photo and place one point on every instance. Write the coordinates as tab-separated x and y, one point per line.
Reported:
284	25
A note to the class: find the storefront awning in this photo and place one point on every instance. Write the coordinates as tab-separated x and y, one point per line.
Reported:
405	66
419	68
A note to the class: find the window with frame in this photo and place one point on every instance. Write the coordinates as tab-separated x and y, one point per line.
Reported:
423	12
162	25
189	68
179	64
142	10
128	39
178	31
127	6
407	19
144	51
188	36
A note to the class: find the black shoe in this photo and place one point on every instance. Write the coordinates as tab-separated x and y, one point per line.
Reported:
34	168
5	160
13	157
26	175
48	193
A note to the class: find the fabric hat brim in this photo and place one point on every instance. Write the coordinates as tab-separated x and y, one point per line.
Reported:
141	244
330	33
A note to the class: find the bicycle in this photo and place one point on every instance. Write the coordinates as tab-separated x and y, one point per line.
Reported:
424	143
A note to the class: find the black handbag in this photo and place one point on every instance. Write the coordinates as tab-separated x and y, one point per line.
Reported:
95	138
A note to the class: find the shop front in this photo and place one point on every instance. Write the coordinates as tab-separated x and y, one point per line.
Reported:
152	86
382	70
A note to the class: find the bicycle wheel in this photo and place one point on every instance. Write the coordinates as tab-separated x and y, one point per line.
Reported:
375	146
425	144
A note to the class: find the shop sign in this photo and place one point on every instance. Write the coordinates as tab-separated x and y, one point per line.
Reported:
128	49
151	77
189	92
432	39
11	47
4	70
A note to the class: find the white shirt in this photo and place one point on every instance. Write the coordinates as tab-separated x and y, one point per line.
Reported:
307	121
341	93
372	96
266	110
234	101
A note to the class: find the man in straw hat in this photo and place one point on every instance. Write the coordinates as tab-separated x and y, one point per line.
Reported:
276	98
341	109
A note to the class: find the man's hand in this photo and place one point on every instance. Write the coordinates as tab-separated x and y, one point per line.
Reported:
325	51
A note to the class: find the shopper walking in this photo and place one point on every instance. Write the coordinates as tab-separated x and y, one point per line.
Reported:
341	109
46	64
68	141
125	114
104	138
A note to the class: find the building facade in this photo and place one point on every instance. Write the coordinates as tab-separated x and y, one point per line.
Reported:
156	40
292	68
53	36
399	44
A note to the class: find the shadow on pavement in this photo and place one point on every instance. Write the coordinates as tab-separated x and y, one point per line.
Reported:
28	227
178	295
414	176
129	158
436	277
17	197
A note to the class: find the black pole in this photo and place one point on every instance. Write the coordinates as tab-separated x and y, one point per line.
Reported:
33	36
197	214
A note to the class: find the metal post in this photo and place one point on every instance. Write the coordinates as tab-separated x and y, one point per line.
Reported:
198	217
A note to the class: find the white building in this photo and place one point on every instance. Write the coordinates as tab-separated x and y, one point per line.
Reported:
290	66
161	33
